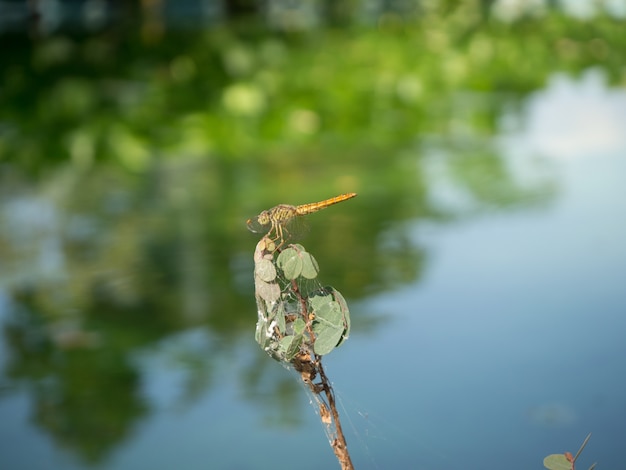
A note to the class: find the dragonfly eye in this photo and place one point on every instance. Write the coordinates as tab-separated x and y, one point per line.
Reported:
264	218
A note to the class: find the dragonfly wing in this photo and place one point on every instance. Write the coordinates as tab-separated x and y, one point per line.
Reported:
296	228
255	226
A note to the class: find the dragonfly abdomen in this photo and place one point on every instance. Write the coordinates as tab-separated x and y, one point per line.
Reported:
316	206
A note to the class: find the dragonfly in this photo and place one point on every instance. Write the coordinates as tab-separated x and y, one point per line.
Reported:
276	222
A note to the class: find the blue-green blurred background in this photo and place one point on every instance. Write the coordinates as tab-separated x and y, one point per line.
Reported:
484	260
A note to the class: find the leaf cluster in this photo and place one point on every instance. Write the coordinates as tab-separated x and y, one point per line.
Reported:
297	317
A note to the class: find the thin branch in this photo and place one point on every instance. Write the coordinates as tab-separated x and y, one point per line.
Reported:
339	444
338	440
582	446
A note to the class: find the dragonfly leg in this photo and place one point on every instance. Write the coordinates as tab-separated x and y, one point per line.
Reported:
280	236
275	234
279	232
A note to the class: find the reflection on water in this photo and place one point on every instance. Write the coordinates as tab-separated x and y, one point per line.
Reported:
132	263
552	414
126	290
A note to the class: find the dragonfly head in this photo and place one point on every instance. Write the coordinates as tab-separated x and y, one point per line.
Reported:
264	218
262	223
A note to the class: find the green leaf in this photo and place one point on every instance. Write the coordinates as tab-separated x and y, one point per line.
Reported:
332	319
345	311
557	462
264	269
289	346
310	268
262	335
270	292
259	334
298	326
280	320
328	325
290	262
319	298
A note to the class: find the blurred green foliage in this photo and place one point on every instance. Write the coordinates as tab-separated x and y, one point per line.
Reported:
153	145
248	93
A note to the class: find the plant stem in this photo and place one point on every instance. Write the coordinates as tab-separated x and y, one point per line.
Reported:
582	446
